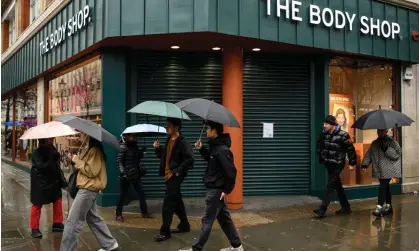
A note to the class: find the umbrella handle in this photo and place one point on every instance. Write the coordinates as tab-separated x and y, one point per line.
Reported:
200	136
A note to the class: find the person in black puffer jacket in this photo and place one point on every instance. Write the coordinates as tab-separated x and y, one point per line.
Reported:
219	179
333	146
130	173
46	183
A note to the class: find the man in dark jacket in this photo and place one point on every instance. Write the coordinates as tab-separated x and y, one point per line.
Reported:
333	146
46	183
176	158
219	179
130	173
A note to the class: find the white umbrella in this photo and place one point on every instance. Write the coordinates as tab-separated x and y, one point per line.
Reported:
145	130
51	129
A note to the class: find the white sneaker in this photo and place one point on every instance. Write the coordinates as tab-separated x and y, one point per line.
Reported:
186	249
115	246
233	249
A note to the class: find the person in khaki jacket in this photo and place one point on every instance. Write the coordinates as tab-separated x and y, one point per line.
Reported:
91	179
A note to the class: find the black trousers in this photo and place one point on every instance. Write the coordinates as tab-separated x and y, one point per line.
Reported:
124	187
384	192
216	209
334	183
173	204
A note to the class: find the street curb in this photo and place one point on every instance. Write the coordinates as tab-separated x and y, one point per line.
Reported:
17	165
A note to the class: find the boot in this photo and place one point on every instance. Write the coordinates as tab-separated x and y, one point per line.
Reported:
321	212
36	233
387	210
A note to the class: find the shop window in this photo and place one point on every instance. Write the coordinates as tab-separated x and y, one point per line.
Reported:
355	88
76	91
35	9
26	117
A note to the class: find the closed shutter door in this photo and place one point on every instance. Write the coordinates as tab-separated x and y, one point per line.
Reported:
173	77
276	91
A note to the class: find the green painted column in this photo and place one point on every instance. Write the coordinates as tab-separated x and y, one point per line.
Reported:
114	115
319	110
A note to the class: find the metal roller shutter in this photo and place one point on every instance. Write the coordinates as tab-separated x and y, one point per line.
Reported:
276	91
173	77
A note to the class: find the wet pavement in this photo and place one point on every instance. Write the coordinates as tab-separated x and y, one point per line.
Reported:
290	228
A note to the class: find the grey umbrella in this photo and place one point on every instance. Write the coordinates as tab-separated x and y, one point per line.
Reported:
90	128
209	110
382	119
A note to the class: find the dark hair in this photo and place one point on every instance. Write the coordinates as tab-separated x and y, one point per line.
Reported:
42	141
175	122
95	143
214	125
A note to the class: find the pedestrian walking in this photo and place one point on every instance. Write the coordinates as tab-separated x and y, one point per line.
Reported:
385	157
130	173
219	179
91	179
46	184
333	146
176	158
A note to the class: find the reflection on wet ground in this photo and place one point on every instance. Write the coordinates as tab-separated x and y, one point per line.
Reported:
291	228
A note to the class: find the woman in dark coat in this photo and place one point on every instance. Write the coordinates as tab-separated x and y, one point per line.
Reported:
46	183
130	173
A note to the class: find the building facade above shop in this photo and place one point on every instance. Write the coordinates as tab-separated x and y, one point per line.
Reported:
365	27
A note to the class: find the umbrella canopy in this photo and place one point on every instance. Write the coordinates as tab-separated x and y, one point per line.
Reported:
209	110
161	109
382	119
145	130
51	129
90	128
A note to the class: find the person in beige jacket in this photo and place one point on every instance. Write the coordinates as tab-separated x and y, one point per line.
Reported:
91	179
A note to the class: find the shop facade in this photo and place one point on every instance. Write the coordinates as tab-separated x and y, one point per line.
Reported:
279	66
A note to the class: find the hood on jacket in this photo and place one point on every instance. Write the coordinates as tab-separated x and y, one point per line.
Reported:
223	139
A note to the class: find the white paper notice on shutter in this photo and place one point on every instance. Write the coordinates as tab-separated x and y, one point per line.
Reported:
268	130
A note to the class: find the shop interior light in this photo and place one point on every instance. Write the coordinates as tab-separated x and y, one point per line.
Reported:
256	49
216	48
175	47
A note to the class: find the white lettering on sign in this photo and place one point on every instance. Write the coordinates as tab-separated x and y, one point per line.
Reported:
335	18
74	24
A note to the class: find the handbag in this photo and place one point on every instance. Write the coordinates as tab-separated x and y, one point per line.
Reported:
72	184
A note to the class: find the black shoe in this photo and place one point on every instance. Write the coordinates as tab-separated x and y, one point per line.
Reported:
321	212
36	233
58	227
378	212
162	237
147	216
387	210
344	211
120	218
180	230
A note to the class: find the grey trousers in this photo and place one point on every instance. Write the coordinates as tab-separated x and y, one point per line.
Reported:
84	210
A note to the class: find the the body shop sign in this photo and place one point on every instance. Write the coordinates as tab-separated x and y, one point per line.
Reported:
73	25
335	18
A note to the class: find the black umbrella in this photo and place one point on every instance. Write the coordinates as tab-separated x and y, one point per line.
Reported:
382	119
209	110
90	128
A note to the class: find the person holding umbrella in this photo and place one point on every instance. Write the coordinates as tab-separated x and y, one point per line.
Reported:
130	173
333	146
385	157
176	158
91	179
219	179
46	184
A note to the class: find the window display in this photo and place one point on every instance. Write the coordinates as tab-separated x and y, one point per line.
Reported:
76	91
355	88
